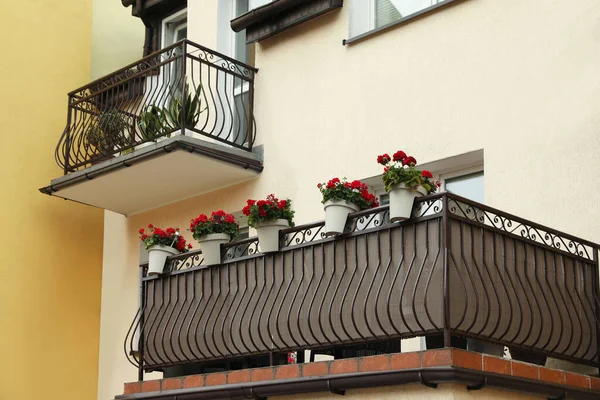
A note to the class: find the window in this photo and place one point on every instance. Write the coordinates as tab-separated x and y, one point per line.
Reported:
368	15
469	186
174	28
230	43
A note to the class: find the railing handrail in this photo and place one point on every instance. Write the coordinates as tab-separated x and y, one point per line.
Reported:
154	54
385	208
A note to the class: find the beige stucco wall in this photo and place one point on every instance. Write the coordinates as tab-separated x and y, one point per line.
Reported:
516	79
415	392
117	37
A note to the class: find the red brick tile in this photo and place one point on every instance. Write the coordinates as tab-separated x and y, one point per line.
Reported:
496	365
374	363
523	370
132	387
262	374
594	383
171	384
151	386
193	381
436	358
219	378
405	360
552	375
240	376
577	380
346	366
315	369
466	359
287	371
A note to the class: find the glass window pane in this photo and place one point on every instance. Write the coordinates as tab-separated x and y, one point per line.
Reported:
468	186
387	11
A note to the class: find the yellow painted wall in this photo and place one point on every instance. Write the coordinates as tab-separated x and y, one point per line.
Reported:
51	249
117	37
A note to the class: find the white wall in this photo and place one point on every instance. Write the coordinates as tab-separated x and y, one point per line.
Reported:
516	79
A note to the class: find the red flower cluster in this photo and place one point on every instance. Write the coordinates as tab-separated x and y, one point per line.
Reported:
269	209
410	160
426	174
399	156
384	159
353	191
168	237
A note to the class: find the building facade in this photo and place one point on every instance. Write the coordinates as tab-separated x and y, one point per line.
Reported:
496	99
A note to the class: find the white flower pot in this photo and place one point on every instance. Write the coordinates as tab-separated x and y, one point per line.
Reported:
268	234
336	214
211	247
402	200
157	256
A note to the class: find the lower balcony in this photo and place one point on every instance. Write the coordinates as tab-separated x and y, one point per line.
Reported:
179	116
455	272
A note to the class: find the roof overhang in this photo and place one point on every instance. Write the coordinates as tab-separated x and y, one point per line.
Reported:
161	173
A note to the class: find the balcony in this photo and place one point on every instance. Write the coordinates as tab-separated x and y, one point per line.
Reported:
456	268
156	126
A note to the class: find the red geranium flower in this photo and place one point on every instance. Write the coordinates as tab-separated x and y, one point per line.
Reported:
251	202
229	219
141	231
399	155
282	204
383	159
150	226
426	174
410	160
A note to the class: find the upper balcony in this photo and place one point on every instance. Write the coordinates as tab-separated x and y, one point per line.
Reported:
456	269
177	123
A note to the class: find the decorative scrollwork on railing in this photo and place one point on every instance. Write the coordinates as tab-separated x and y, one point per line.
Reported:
185	261
519	227
304	234
241	248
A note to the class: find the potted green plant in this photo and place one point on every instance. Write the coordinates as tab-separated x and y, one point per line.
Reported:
211	232
107	135
269	216
151	124
341	198
404	182
174	110
160	245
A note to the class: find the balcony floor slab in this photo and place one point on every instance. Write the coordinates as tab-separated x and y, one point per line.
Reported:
172	170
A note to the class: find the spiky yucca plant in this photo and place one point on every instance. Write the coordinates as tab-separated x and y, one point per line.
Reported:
174	110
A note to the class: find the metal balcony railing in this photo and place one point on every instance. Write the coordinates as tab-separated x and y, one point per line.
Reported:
183	89
455	268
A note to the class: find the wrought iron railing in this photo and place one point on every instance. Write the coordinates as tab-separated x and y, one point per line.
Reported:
455	268
183	89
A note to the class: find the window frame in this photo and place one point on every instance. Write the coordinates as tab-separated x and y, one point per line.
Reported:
356	20
180	15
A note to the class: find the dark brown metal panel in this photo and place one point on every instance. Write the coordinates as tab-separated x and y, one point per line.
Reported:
279	15
509	281
380	285
512	291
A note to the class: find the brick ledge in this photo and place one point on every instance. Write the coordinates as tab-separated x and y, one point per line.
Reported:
428	367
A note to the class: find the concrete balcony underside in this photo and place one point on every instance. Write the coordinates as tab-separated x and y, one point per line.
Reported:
161	173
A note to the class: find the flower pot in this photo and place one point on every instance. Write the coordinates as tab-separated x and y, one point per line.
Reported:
211	247
157	256
268	234
336	214
401	201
